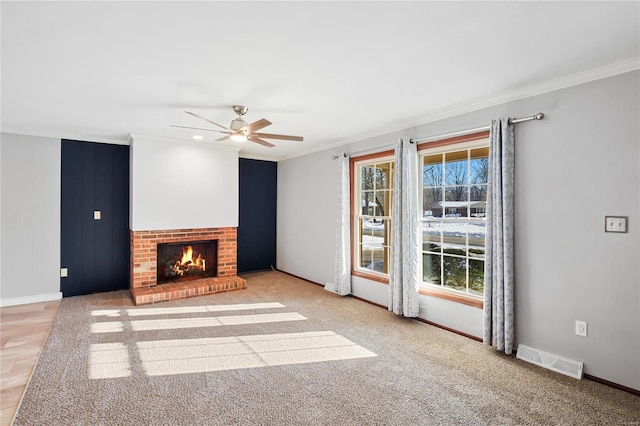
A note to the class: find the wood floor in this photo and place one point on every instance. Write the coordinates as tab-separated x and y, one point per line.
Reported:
23	330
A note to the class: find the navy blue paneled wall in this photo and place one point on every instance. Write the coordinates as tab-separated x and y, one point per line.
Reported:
257	221
95	177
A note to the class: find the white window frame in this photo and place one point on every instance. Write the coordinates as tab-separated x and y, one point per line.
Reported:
480	143
357	214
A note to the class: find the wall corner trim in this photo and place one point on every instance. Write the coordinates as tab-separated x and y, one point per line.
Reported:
24	300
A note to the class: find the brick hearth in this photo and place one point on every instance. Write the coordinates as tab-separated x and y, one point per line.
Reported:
144	287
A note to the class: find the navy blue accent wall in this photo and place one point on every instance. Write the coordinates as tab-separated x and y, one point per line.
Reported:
95	176
257	221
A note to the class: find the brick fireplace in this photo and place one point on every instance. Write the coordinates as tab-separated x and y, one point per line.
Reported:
144	256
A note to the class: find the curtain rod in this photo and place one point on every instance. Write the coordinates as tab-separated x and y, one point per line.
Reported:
538	116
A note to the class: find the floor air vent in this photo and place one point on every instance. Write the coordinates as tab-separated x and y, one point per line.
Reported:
553	362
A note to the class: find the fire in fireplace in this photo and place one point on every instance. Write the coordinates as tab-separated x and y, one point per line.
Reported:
187	261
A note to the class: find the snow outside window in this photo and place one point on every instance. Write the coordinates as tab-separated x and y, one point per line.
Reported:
372	212
454	200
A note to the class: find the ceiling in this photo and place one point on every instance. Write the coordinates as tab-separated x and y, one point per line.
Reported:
333	72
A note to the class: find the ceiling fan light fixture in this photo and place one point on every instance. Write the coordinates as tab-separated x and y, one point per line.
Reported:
237	132
238	137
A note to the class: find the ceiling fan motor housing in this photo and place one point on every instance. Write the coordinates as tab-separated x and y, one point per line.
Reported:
237	124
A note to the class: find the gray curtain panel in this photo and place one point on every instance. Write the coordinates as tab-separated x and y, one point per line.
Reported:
342	272
405	232
498	272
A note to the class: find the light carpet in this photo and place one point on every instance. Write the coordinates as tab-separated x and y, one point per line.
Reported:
287	352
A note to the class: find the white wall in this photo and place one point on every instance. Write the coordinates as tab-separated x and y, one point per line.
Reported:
579	164
176	185
29	219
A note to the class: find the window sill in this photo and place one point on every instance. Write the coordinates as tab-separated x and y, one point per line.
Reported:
372	277
452	297
432	292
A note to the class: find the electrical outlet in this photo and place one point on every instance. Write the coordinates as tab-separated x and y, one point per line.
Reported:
422	310
581	328
615	224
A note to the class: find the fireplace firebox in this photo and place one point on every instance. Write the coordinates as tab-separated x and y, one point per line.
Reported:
184	261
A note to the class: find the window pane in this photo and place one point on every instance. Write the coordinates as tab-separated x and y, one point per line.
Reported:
366	202
455	272
477	233
383	176
478	193
456	193
453	250
373	258
431	246
476	277
456	168
382	204
431	201
366	177
454	237
366	256
478	200
431	268
476	252
432	170
479	165
370	229
431	236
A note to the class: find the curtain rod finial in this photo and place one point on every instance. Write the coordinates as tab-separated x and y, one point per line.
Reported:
539	116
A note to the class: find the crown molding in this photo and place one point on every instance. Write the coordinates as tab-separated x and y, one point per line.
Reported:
594	74
75	137
530	91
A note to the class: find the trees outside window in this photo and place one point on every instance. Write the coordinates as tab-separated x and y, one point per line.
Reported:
454	200
372	214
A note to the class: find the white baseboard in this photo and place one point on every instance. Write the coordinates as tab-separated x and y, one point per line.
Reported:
13	301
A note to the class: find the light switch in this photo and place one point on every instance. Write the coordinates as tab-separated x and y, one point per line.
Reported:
615	224
64	272
97	215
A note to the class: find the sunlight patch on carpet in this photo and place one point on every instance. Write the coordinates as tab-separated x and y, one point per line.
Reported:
108	360
196	322
184	309
188	356
169	357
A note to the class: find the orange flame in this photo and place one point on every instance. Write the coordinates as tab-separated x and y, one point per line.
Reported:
187	262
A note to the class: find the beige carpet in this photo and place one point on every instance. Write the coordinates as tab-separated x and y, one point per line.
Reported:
287	352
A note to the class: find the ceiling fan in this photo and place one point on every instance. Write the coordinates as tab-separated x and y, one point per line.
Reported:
240	131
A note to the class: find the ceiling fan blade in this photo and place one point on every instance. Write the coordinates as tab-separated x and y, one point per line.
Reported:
283	137
224	138
206	119
250	128
260	141
197	128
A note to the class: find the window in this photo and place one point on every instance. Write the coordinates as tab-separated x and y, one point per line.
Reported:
373	189
454	200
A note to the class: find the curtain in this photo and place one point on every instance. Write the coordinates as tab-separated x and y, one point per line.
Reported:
498	269
342	271
405	232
